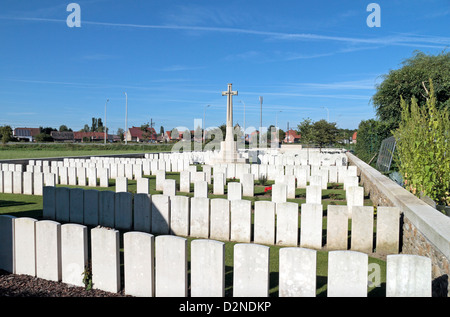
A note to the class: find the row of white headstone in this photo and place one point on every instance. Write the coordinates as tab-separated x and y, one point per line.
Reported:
222	219
78	172
158	266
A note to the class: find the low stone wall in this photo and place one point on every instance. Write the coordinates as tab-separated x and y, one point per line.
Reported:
425	230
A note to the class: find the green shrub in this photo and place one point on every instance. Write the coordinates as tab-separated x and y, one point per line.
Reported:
423	149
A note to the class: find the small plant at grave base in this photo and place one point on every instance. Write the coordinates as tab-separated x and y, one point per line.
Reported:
333	196
263	180
267	189
87	276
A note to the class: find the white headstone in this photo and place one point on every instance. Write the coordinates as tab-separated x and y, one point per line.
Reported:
74	253
362	229
7	243
408	276
388	230
179	215
123	213
311	226
279	193
106	208
171	266
201	189
313	194
62	210
337	227
76	205
199	225
24	246
48	250
207	268
138	257
240	220
247	184
220	219
218	183
264	222
347	274
91	207
185	181
297	272
143	185
142	212
160	217
287	224
105	259
169	187
251	270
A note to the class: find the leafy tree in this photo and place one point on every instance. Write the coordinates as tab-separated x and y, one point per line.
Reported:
47	130
409	81
100	127
64	128
6	134
43	137
305	129
121	134
324	133
94	125
146	132
370	135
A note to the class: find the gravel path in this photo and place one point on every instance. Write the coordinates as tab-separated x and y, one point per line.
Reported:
12	285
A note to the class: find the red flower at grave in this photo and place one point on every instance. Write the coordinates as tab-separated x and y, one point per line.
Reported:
266	189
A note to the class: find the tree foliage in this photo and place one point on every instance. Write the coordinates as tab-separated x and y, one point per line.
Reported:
409	81
6	134
370	135
324	133
305	128
423	148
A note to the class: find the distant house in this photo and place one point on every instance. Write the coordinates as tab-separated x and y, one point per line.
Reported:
89	136
136	134
26	133
292	136
66	136
167	136
354	137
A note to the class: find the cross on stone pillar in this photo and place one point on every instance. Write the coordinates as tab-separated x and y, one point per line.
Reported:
229	93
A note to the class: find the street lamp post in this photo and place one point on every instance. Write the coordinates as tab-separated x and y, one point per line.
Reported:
260	112
276	125
105	120
244	118
204	124
328	113
126	117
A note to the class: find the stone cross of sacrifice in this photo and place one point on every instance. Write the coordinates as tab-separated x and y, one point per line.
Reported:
229	93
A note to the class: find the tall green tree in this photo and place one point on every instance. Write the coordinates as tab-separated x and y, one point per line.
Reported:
411	81
6	134
324	133
370	135
305	128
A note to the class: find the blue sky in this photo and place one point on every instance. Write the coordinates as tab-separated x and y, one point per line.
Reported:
308	59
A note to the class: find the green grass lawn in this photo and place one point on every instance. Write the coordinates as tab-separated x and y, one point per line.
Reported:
31	206
34	151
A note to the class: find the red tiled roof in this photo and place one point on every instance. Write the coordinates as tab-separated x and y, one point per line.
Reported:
136	132
90	135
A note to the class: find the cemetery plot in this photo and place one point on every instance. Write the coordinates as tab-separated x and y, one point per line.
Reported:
228	202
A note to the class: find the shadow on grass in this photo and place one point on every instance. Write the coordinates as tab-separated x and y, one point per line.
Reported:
11	203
